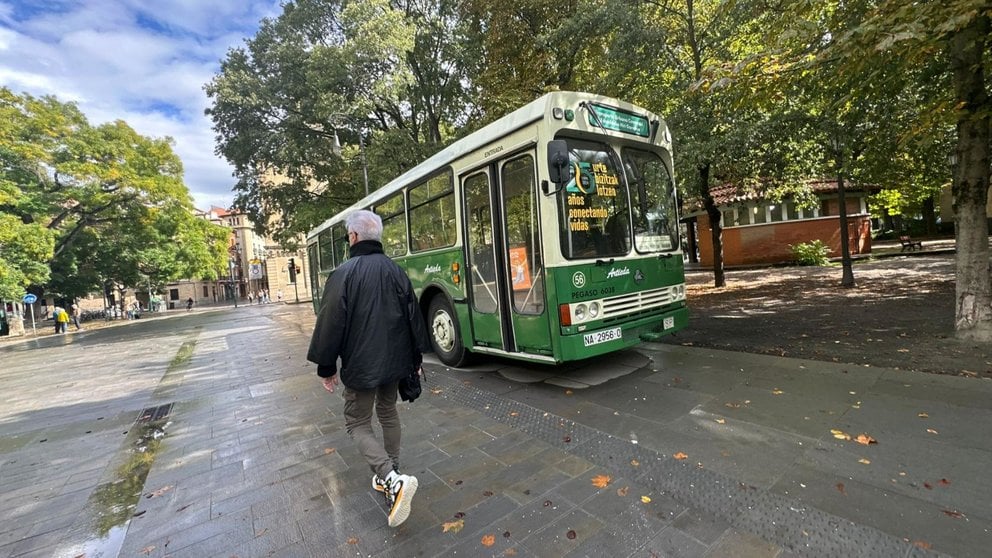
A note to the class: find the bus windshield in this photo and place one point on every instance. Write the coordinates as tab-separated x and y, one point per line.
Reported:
594	204
652	188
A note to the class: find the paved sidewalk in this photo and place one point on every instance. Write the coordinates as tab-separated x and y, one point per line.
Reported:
663	451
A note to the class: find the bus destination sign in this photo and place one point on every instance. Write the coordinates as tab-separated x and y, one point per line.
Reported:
619	120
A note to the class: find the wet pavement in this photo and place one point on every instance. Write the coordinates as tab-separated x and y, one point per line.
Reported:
208	434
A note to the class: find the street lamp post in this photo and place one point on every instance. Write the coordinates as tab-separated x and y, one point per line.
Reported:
234	291
361	149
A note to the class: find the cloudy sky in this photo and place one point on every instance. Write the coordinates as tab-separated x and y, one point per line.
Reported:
141	61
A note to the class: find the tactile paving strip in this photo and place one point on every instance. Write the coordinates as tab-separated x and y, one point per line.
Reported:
777	519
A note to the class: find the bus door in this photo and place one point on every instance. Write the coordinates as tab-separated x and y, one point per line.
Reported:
506	267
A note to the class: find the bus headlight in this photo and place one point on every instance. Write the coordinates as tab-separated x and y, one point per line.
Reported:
593	310
580	312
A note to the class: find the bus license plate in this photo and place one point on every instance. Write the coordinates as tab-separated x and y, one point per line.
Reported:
669	323
598	337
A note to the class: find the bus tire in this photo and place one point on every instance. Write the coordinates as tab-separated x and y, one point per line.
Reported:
446	338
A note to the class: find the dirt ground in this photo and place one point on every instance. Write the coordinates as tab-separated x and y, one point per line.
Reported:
899	315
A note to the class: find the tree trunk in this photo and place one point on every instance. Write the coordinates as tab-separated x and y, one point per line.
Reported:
847	275
973	291
716	228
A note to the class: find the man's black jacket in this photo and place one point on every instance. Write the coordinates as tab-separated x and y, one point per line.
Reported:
370	318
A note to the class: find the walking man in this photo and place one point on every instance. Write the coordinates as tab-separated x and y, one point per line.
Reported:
369	317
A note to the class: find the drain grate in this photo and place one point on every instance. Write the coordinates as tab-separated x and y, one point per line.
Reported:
152	414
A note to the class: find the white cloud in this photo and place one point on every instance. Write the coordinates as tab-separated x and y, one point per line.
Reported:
142	62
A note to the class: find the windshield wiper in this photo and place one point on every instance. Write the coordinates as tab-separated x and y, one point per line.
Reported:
592	112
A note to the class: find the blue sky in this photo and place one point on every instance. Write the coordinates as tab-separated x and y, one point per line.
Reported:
141	61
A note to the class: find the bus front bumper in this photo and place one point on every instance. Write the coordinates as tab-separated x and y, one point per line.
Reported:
577	346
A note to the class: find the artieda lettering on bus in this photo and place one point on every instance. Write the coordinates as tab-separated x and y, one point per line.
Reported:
618	272
432	269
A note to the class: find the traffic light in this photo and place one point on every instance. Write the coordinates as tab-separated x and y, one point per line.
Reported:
293	270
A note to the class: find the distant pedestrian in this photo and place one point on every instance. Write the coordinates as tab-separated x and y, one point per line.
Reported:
369	317
189	304
61	319
74	314
249	297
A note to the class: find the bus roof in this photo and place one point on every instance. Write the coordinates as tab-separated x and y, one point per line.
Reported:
535	110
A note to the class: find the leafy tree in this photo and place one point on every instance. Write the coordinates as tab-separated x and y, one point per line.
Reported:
386	75
79	201
886	50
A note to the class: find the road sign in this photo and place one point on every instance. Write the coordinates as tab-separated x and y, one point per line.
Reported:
30	298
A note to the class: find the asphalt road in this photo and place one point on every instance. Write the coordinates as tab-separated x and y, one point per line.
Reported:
207	434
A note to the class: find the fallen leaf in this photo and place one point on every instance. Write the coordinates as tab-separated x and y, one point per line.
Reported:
954	513
510	552
927	486
923	415
840	488
514	414
260	533
865	439
452	526
932	431
721	421
622	491
777	391
944	482
506	534
635	463
571	535
645	500
352	540
864	461
159	492
840	435
568	392
547	503
148	550
328	451
680	456
601	481
459	515
487	493
567	439
436	391
488	540
922	544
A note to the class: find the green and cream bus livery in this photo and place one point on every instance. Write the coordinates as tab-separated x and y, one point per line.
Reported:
549	235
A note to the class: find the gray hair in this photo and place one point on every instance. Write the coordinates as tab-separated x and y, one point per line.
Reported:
364	223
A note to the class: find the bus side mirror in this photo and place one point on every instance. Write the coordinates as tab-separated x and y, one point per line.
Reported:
557	165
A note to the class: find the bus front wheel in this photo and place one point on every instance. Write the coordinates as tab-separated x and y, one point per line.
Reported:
445	336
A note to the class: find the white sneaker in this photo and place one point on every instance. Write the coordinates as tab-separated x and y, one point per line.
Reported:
399	493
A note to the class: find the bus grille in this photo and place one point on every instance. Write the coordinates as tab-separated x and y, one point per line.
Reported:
625	305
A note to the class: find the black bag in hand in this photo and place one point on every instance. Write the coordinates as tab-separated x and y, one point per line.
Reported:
410	386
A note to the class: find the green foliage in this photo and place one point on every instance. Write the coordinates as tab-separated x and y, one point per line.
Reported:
810	253
82	205
363	72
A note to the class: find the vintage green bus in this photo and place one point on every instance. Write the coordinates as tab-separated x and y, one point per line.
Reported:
549	235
